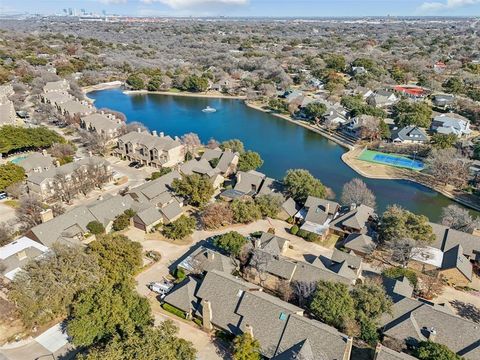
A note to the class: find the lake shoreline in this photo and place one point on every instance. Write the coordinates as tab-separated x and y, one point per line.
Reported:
385	172
185	94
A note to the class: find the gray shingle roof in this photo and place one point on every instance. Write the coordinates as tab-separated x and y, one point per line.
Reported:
171	210
249	181
352	260
388	354
149	215
183	295
268	316
203	259
290	207
413	325
150	141
454	259
409	133
326	342
201	166
359	242
36	160
224	293
446	238
271	243
355	219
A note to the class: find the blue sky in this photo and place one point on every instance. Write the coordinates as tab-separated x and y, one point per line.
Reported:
275	8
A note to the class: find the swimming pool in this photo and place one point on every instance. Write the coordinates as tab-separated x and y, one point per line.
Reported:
18	159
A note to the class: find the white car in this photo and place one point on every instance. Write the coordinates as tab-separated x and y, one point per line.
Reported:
161	288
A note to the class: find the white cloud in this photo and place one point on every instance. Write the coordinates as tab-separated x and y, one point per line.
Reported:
186	4
446	4
113	1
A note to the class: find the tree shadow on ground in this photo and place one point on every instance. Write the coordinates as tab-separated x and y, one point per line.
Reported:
467	311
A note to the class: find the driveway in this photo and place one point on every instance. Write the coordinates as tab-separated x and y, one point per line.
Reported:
7	213
204	343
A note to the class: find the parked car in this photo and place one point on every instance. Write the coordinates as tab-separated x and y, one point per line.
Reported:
138	166
3	195
133	164
161	288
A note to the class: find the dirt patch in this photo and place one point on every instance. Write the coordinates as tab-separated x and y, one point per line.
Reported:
158	236
10	324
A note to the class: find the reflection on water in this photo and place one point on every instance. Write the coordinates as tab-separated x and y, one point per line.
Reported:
281	144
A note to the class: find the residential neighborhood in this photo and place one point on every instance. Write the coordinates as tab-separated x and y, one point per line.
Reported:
210	186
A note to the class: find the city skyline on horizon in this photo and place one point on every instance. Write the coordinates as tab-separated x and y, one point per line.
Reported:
250	8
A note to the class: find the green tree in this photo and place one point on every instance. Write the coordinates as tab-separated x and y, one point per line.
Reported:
269	205
315	110
368	330
232	242
96	227
245	211
155	83
195	83
246	347
300	184
121	222
10	174
180	228
406	113
162	172
107	310
47	285
454	85
161	342
399	272
444	141
196	189
397	223
234	145
332	304
249	160
135	82
384	129
118	256
428	350
336	62
371	300
16	138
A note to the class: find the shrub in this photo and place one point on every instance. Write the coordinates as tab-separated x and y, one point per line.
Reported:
180	228
95	227
294	230
121	222
180	274
198	321
307	235
398	272
173	310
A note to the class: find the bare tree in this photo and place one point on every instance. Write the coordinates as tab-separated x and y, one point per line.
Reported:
16	190
448	167
62	150
285	290
431	285
357	192
191	142
216	215
404	249
6	233
29	212
213	144
459	218
303	292
260	261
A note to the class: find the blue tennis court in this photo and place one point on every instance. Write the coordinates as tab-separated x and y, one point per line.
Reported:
390	159
398	161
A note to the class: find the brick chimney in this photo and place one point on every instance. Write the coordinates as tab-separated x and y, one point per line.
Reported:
207	315
378	348
431	333
139	130
210	255
154	133
57	163
44	152
327	208
46	215
249	329
348	349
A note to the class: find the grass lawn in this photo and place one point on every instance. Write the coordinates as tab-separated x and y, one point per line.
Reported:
329	242
11	203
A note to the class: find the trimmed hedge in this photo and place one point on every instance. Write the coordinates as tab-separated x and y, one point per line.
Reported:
398	272
173	310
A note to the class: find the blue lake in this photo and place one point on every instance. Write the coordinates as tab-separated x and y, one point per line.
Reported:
281	144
